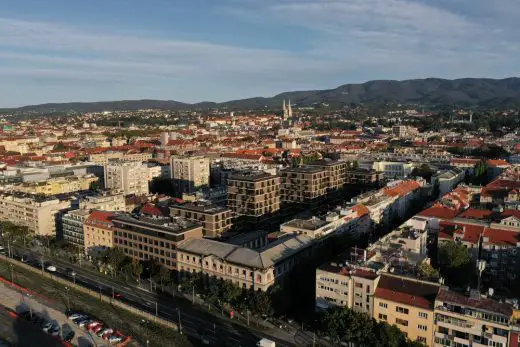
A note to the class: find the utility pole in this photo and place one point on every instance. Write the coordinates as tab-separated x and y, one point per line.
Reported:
9	247
74	278
180	324
12	273
156	309
314	339
214	329
68	297
113	294
247	317
193	294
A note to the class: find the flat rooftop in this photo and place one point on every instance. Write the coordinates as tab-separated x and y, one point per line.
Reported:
302	169
200	206
325	162
306	224
172	225
251	176
482	304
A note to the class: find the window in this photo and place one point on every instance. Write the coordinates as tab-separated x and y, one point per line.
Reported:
422	327
383	305
359	285
383	317
401	309
421	339
423	315
401	322
444	330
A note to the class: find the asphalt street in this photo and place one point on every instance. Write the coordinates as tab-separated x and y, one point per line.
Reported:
195	321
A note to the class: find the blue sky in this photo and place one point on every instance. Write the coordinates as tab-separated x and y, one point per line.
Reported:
63	50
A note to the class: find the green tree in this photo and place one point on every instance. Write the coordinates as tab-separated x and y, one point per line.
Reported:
428	272
59	146
114	258
260	303
137	270
455	264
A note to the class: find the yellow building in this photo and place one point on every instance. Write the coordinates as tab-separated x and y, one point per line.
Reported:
408	304
60	185
98	232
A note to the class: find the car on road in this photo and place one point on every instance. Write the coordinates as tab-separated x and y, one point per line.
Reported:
118	296
205	340
97	329
51	268
2	250
55	330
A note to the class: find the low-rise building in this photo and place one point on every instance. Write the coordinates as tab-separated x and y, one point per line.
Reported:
474	320
448	179
72	224
98	232
215	219
111	200
35	212
156	238
54	186
407	303
247	268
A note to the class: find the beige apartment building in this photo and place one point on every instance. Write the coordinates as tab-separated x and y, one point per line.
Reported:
107	157
245	267
153	238
335	171
98	232
253	193
346	286
215	219
302	184
189	174
54	186
473	320
130	177
32	211
111	200
409	304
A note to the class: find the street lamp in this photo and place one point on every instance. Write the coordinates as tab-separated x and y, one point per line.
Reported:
180	323
74	278
12	273
67	289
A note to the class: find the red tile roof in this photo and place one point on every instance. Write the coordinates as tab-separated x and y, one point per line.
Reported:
100	219
502	237
474	213
407	292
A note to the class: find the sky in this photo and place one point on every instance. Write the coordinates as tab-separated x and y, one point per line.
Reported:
218	50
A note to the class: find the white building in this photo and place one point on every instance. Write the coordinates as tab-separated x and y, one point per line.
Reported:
189	173
130	177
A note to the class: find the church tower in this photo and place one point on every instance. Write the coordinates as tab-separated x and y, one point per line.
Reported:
289	110
285	111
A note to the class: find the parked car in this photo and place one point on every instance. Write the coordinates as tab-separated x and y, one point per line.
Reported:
69	336
115	339
51	268
75	315
104	331
97	329
55	330
47	327
84	323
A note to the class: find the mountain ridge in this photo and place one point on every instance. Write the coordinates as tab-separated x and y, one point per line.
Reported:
467	92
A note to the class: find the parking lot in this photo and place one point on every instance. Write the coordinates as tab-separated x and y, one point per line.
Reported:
35	317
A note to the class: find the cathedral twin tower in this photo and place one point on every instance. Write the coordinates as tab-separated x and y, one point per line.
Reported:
287	110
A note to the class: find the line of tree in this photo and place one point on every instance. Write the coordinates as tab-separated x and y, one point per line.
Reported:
343	325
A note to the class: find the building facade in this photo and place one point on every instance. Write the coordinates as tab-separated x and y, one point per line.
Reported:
335	171
253	193
407	303
112	200
36	213
215	219
153	238
302	184
98	232
128	177
189	174
245	267
72	224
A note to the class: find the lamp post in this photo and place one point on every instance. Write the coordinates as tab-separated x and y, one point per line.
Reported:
67	289
12	273
180	323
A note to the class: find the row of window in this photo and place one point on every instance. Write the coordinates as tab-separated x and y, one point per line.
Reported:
403	310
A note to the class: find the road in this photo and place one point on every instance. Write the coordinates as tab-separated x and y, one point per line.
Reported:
195	321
